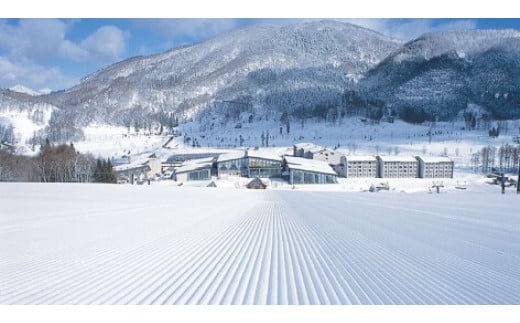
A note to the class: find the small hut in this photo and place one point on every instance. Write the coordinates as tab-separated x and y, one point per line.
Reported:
256	183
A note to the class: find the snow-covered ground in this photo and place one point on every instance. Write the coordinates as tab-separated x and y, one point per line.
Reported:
349	136
165	244
107	141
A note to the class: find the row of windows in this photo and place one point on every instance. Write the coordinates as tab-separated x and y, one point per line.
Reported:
368	173
265	172
400	174
199	175
400	163
404	169
251	162
360	163
257	162
438	173
438	167
400	167
301	177
231	164
360	167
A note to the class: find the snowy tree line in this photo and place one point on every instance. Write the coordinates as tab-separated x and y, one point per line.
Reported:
17	168
55	163
490	159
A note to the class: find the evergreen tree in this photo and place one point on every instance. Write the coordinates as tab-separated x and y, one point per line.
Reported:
110	176
104	172
98	172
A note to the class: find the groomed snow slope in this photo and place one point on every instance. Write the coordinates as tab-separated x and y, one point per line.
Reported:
106	244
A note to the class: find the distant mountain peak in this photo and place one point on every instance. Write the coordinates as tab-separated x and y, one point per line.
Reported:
25	90
468	42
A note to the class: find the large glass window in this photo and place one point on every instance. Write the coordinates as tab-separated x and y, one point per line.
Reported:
198	175
259	162
308	178
297	177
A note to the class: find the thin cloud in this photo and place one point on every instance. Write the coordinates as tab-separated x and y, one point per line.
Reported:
108	43
33	75
29	47
73	52
32	38
44	39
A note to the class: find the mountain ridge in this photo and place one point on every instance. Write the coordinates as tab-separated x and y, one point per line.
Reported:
441	73
317	69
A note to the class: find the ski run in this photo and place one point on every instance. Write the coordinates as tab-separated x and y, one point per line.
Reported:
164	244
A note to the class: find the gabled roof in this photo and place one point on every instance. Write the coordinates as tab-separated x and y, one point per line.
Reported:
263	155
311	165
194	164
256	182
248	153
231	156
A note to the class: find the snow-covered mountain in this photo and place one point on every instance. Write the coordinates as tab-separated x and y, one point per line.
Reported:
264	67
306	70
439	74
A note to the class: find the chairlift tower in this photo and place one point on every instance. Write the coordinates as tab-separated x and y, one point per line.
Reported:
437	186
518	180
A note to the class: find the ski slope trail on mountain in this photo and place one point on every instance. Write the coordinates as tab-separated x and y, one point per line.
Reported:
107	244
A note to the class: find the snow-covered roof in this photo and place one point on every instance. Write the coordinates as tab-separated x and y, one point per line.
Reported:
311	165
307	146
360	158
231	156
140	161
398	158
263	154
194	164
125	167
204	160
316	149
248	153
435	159
255	182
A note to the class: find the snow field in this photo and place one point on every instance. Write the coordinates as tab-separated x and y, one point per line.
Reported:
109	141
161	244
